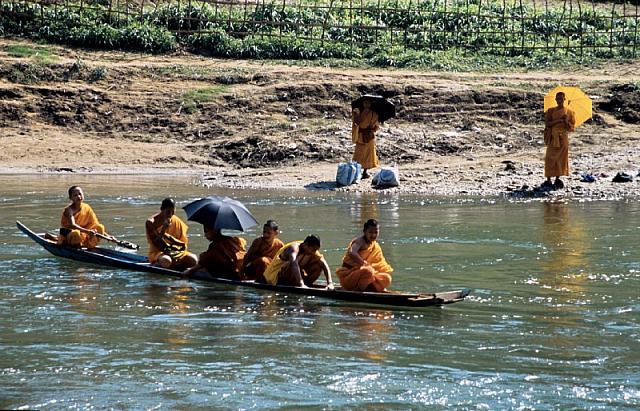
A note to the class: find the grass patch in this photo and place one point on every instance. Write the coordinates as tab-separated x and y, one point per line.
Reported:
203	73
532	87
38	53
456	60
203	95
97	74
191	100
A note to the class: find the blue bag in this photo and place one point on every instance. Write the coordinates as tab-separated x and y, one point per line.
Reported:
348	173
386	177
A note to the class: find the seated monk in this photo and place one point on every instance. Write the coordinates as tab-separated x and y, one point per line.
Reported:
223	258
299	264
167	238
364	267
79	224
262	251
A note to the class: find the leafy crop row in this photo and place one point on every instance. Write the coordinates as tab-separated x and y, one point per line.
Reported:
92	28
382	32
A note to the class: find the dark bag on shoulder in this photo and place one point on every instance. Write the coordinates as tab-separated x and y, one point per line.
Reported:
367	134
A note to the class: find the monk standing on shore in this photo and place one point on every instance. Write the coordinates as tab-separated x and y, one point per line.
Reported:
559	121
167	238
79	225
365	124
262	251
224	256
299	264
364	267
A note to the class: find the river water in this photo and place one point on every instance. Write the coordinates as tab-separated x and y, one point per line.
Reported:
552	321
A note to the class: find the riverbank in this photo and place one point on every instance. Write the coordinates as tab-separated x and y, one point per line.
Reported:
271	125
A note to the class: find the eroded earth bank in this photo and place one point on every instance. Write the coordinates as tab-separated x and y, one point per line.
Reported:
254	124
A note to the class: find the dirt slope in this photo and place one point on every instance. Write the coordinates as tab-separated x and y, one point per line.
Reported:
97	111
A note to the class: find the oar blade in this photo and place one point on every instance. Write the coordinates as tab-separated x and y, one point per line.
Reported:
127	244
121	243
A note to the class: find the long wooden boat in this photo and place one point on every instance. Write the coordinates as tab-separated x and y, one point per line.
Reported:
113	258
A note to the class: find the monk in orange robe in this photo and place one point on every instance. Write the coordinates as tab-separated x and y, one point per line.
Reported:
223	258
365	124
364	267
167	238
298	264
559	122
262	251
79	225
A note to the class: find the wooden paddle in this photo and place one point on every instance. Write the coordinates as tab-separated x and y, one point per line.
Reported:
126	244
121	243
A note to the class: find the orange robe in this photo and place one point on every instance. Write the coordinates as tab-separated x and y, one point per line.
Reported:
85	218
259	257
224	257
279	271
374	276
556	159
365	152
177	228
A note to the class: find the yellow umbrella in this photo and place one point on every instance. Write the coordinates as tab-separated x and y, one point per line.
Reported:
575	99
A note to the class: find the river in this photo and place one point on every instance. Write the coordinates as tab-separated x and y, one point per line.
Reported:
552	321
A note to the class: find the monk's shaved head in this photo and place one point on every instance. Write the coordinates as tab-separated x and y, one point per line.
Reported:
272	224
168	203
72	189
370	223
312	240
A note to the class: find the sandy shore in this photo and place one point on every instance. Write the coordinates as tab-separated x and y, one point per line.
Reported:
254	125
515	178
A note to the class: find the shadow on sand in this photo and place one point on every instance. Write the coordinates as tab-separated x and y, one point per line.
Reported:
322	185
531	192
332	185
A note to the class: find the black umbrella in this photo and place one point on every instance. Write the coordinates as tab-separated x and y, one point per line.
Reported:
379	104
220	213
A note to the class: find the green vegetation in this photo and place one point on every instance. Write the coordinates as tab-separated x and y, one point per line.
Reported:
191	99
97	74
40	54
28	73
32	72
89	27
221	44
452	35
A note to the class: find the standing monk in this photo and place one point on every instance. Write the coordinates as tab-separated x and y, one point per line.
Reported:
167	238
365	124
224	256
299	264
79	225
364	267
559	121
262	251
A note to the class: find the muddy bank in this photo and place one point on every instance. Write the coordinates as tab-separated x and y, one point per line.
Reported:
483	176
267	125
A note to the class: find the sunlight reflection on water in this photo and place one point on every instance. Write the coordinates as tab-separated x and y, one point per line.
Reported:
551	324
